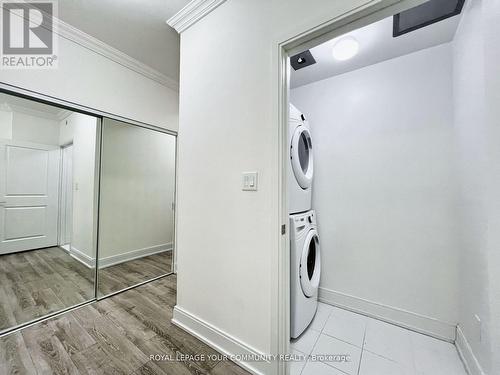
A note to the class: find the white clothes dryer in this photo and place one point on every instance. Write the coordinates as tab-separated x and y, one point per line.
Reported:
301	166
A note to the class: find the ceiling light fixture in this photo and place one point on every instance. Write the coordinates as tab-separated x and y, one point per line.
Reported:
345	49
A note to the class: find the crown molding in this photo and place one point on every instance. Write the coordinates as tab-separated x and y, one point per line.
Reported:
85	40
33	112
192	13
63	114
12	107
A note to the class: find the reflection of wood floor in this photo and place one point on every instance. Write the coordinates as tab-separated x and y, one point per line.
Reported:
123	275
35	283
114	336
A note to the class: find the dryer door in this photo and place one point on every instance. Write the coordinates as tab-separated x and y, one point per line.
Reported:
301	156
310	264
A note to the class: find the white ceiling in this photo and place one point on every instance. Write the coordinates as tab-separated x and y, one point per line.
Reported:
135	27
17	104
376	44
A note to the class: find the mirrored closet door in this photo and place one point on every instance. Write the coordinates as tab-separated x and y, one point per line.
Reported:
86	208
136	215
48	209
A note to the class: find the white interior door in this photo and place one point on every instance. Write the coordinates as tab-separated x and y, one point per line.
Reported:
66	209
29	184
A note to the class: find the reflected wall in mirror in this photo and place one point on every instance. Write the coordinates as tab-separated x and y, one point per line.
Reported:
136	205
47	209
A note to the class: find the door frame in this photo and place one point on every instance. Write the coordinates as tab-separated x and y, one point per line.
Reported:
63	196
304	39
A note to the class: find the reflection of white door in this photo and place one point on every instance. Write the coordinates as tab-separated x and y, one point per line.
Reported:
29	184
66	209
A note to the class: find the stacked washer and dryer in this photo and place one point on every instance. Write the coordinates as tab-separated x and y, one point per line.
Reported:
304	240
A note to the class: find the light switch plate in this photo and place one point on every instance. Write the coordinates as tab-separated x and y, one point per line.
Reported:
250	181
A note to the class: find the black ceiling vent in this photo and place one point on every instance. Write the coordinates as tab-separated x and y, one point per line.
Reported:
425	14
302	60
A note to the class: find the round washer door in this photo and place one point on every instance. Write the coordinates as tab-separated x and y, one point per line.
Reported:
301	156
310	264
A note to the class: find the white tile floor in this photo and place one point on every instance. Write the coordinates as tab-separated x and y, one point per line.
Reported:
373	347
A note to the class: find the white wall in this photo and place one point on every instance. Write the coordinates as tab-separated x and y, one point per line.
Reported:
384	188
20	125
30	128
228	244
89	79
137	189
476	59
228	124
5	123
491	17
81	130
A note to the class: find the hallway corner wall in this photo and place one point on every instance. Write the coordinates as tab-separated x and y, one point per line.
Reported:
476	59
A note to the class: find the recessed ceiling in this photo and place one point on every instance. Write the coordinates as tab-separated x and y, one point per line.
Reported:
376	44
135	27
15	103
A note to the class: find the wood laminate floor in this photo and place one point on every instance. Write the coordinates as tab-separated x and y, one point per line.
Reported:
39	282
117	335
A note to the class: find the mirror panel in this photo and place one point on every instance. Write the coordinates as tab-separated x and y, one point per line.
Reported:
48	209
136	205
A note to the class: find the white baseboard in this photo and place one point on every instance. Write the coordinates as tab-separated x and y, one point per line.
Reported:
467	355
134	254
115	259
80	256
220	341
402	318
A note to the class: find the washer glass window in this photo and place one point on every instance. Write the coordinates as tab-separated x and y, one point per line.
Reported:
311	259
310	264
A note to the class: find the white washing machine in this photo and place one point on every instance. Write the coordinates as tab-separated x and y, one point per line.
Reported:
305	272
301	168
